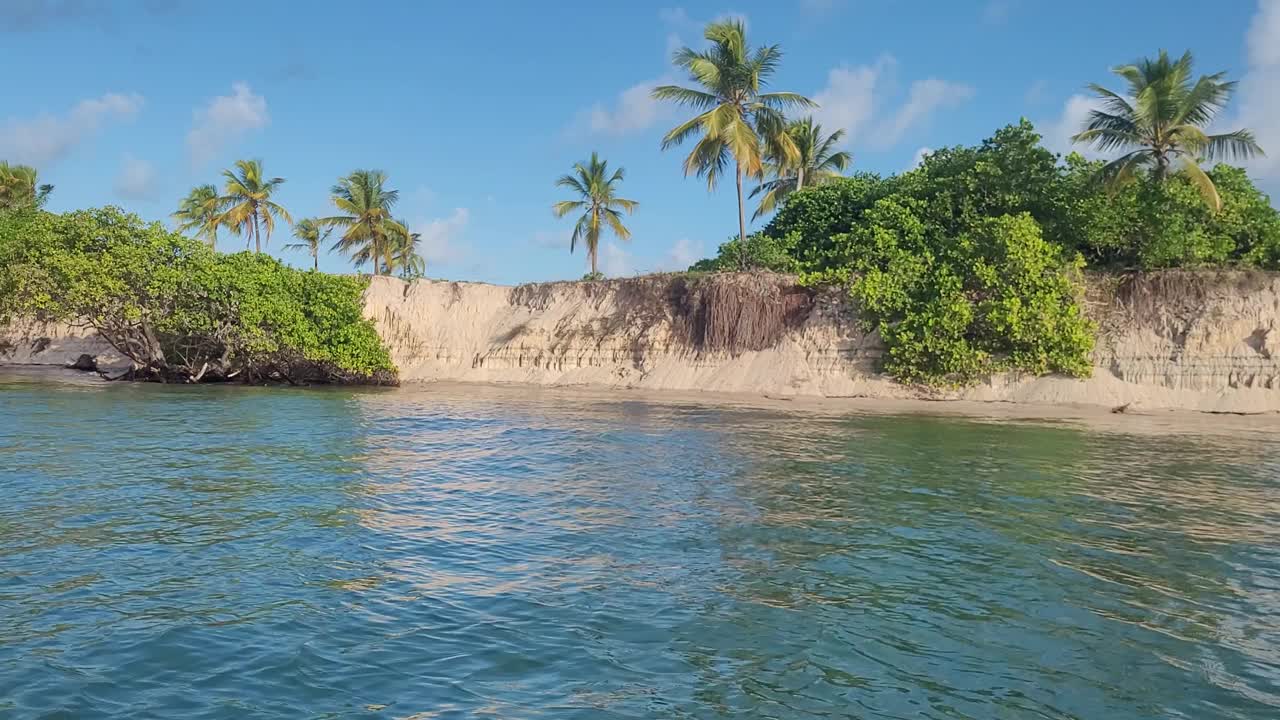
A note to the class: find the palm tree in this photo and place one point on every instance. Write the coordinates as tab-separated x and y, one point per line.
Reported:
312	233
201	212
817	162
595	187
20	187
736	120
366	205
404	253
1161	120
247	201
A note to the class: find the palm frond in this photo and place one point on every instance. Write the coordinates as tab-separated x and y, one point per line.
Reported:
685	96
614	220
786	101
564	207
1203	183
1238	145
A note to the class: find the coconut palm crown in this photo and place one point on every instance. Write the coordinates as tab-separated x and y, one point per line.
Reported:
738	124
247	205
1159	123
596	189
817	161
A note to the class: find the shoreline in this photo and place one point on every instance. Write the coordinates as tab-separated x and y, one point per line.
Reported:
1195	343
1085	417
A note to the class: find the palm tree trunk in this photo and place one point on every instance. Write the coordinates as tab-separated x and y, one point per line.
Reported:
1162	165
742	224
593	262
315	262
257	234
800	177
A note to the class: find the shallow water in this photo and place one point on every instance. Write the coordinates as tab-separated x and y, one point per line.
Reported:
271	553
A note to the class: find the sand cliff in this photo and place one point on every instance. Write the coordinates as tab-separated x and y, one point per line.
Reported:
1196	341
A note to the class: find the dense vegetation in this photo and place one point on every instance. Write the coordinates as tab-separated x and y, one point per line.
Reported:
179	311
969	263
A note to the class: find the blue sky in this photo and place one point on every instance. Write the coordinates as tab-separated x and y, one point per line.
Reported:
473	109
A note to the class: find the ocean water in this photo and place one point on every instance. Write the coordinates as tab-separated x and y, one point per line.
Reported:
218	552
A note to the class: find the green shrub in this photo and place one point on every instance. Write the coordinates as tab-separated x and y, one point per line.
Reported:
179	311
968	264
998	297
763	253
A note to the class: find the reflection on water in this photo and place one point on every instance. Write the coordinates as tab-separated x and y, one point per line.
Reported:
231	552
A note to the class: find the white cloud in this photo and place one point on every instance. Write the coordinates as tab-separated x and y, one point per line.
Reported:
919	157
1075	113
635	110
855	96
136	180
223	121
616	262
1260	88
47	138
849	100
681	255
440	241
925	98
678	24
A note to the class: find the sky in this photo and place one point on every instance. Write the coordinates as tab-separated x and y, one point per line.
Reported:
473	109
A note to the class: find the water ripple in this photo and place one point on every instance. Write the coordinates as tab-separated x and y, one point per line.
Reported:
230	552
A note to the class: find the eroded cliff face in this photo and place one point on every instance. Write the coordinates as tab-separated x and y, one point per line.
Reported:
39	343
1198	341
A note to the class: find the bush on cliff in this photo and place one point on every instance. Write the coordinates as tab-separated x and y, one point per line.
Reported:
951	309
763	252
969	263
182	313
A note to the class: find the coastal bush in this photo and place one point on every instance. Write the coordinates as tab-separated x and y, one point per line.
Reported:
969	263
953	308
762	253
1148	224
182	313
1144	224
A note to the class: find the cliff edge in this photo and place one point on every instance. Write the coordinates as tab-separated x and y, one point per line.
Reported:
1199	341
1178	340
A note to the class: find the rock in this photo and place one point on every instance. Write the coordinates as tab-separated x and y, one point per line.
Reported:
85	362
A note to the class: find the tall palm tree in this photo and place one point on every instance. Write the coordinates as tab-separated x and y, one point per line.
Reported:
20	187
1161	120
737	120
311	233
365	203
248	208
200	213
595	188
817	162
404	253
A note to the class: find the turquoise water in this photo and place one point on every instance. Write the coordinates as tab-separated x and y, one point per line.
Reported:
272	553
